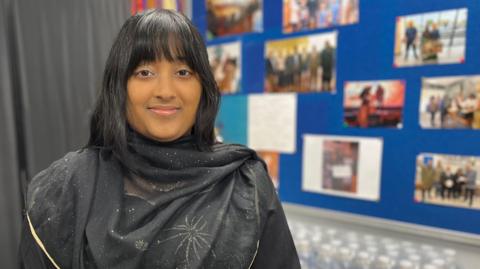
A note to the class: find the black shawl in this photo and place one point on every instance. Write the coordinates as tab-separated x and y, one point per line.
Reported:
181	208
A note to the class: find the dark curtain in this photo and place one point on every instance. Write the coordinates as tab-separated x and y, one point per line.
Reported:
52	55
10	199
62	47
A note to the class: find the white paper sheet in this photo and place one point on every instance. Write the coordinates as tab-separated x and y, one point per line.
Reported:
368	166
272	122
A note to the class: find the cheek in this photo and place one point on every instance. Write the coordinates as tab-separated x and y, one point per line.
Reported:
138	94
129	110
193	106
196	100
132	118
194	94
134	103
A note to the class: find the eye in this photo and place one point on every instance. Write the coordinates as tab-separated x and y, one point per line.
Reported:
184	73
144	73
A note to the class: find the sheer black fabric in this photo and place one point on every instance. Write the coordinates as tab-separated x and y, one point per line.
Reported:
182	209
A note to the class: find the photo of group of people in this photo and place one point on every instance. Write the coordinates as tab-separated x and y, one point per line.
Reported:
301	15
225	61
448	180
431	38
374	103
183	6
231	17
301	64
450	102
347	166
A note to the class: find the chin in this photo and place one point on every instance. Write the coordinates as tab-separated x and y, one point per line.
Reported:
165	137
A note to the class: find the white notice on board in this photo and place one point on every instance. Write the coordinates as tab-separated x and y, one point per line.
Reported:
342	165
272	122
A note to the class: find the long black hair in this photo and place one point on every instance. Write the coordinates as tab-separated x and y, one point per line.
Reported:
146	37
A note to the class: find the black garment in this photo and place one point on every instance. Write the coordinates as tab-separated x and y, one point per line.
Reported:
183	209
269	69
414	48
327	62
469	194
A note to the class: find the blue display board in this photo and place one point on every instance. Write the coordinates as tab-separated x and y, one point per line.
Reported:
365	51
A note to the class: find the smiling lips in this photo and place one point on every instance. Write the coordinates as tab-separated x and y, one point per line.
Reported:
164	110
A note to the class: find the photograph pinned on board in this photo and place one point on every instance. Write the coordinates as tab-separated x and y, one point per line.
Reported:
340	161
272	122
448	180
272	159
301	64
301	15
342	166
450	102
226	63
374	103
183	6
231	124
431	38
233	17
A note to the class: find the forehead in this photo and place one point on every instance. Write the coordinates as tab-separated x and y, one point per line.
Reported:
154	48
163	62
169	47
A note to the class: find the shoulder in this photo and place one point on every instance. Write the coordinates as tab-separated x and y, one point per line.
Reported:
53	199
257	169
253	169
55	179
67	165
252	160
70	160
234	151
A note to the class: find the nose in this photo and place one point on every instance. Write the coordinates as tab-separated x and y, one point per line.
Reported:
164	88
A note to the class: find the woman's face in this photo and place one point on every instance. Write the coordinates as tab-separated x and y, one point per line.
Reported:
163	99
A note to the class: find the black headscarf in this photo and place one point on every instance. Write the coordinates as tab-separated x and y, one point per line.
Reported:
173	207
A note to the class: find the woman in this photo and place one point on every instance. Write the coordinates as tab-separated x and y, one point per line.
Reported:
152	188
364	110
